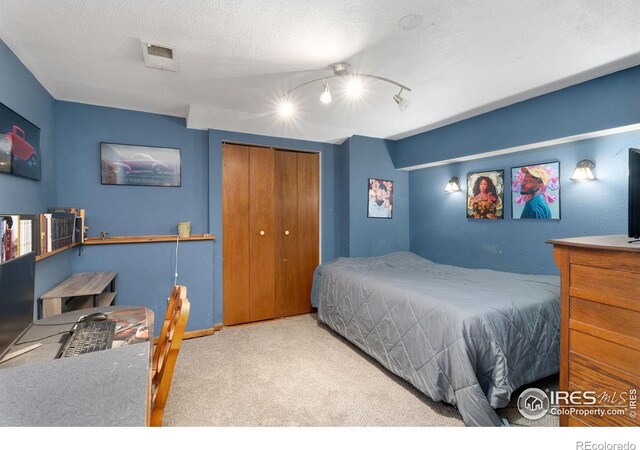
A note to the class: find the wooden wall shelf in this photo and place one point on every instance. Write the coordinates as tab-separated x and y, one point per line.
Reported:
54	252
146	239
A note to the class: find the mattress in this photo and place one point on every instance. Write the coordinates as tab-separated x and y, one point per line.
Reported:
469	337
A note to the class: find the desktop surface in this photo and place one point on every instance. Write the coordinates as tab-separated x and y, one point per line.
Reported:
133	325
104	388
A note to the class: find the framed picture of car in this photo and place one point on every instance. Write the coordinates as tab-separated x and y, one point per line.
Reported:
19	145
135	165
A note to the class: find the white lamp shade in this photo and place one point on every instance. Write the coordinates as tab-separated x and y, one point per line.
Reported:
583	171
453	185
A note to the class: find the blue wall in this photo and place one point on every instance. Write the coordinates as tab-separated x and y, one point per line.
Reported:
21	92
130	210
607	102
341	199
370	158
441	232
145	271
438	225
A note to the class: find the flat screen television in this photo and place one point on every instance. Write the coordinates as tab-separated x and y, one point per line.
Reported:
17	285
634	193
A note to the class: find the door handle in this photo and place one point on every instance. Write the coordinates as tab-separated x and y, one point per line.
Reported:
286	232
261	232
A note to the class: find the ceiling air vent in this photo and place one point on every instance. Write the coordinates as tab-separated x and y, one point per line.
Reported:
159	56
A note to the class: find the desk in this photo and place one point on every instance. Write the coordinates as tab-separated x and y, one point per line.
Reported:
106	388
87	287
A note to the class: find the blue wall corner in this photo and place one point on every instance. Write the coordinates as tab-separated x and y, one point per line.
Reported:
371	158
21	92
145	271
130	210
341	199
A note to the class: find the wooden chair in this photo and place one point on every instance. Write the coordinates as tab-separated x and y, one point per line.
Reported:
166	351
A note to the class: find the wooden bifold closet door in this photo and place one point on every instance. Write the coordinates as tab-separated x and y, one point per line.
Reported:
270	209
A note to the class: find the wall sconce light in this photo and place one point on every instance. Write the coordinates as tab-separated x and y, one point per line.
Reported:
583	171
453	185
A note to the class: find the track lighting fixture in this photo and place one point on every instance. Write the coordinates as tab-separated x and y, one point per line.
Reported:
353	88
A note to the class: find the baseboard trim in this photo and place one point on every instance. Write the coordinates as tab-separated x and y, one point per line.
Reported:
198	333
218	327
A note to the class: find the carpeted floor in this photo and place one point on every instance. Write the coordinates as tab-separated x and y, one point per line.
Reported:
297	372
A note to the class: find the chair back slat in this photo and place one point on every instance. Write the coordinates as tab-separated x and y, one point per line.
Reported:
166	351
176	292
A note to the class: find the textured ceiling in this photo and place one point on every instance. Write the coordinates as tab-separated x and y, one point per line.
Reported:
236	57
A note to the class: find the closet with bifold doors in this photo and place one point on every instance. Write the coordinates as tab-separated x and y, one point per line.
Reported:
270	231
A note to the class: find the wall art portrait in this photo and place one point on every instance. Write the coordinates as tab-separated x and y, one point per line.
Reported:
136	165
19	145
536	191
380	203
485	195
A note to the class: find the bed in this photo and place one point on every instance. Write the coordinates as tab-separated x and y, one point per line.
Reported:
469	337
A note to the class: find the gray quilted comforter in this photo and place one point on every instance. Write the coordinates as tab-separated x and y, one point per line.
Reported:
469	337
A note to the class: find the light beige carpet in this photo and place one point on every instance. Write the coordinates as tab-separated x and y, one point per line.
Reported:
295	372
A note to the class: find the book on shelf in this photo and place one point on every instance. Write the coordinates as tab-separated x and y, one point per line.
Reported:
77	223
10	236
18	235
29	233
62	229
41	233
75	211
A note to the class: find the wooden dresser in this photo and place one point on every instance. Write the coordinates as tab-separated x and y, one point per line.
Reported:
600	327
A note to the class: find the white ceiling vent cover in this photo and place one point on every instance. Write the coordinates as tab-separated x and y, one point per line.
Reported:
159	56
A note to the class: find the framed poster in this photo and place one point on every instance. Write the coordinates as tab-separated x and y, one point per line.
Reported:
536	191
380	201
135	165
485	195
19	145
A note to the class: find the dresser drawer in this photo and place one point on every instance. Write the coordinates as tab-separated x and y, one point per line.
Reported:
611	386
620	325
613	287
603	351
606	259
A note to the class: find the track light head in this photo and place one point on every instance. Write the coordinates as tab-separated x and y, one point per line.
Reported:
285	107
354	87
403	103
325	97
